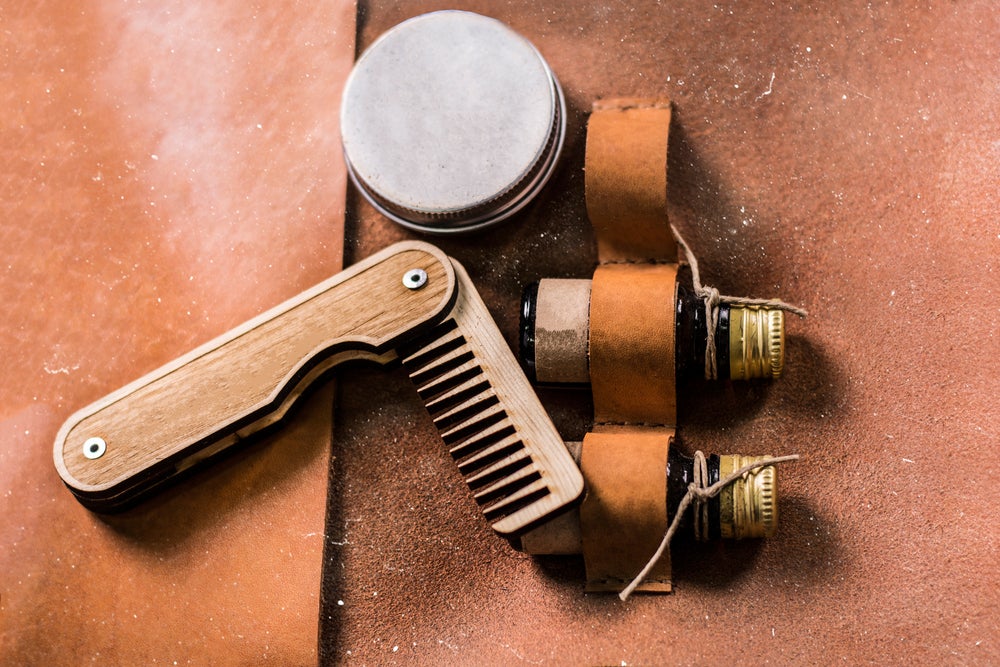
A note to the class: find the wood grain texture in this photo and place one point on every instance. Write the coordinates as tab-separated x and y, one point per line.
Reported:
248	378
488	414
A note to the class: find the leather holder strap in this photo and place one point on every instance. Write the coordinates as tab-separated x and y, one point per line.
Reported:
631	349
624	515
626	180
632	370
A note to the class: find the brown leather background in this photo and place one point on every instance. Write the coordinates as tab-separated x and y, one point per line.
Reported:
845	160
168	170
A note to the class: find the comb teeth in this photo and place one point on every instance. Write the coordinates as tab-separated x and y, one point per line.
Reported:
481	436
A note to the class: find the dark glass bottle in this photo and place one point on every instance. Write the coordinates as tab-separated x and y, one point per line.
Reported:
691	334
749	341
747	508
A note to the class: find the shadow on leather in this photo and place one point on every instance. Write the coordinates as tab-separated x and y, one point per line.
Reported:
210	497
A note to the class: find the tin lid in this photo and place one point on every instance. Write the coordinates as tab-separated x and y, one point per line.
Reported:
451	122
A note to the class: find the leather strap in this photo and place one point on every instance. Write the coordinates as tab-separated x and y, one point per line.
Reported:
632	371
626	180
624	514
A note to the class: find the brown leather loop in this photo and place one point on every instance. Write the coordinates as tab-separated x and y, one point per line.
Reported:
626	180
624	515
631	348
632	344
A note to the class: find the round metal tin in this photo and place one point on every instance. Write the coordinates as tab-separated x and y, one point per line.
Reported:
451	122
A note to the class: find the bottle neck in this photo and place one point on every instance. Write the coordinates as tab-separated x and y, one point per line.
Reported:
745	508
680	473
691	333
749	340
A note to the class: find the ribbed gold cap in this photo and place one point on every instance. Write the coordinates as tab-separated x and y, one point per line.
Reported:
756	342
749	506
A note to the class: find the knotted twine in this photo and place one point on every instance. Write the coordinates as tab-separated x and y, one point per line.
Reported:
697	493
713	299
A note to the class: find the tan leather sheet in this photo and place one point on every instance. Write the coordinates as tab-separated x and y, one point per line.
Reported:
841	158
168	170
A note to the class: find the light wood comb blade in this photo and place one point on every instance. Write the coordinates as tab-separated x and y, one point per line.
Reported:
489	416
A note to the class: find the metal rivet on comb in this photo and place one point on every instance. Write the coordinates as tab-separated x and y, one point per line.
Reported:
414	279
94	448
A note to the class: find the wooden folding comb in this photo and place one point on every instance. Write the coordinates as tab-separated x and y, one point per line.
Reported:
409	302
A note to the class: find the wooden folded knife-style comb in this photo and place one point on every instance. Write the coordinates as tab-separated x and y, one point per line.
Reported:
410	302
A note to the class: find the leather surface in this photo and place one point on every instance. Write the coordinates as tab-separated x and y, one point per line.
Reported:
624	515
841	158
632	370
169	170
632	351
626	179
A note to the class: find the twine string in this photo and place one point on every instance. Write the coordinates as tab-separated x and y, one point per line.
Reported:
713	300
700	480
699	493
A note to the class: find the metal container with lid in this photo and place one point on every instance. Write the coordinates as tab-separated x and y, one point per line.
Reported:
451	122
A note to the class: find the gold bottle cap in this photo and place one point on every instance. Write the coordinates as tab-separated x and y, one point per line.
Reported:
756	342
749	506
